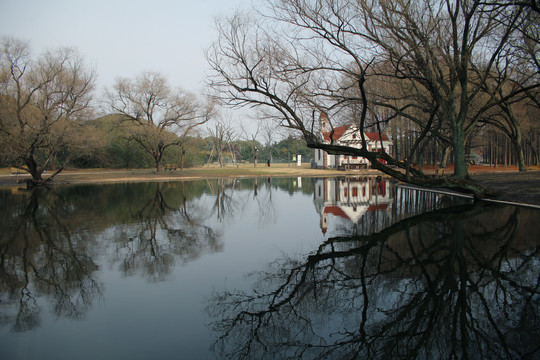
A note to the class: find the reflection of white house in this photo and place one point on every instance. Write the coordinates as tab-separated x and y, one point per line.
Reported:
348	199
347	136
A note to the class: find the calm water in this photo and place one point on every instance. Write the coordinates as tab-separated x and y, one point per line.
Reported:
265	269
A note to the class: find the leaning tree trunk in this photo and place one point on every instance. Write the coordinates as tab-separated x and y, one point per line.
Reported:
445	156
517	138
34	170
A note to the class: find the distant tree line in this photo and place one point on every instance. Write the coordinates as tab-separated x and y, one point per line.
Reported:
48	119
115	150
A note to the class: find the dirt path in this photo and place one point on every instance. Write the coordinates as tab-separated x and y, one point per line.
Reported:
518	187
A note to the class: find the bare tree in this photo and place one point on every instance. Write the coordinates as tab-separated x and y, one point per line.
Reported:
42	104
223	135
270	131
157	117
305	56
251	137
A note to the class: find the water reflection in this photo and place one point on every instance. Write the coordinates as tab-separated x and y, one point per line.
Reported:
41	256
459	282
169	229
389	271
363	205
53	240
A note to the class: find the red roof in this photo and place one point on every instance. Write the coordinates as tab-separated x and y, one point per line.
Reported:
340	130
375	136
336	135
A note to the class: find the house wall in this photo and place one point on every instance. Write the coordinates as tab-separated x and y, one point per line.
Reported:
318	158
324	160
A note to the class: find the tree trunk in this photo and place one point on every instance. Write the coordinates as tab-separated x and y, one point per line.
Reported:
182	158
445	156
517	138
537	152
157	159
518	143
460	164
496	150
37	179
505	152
490	149
221	157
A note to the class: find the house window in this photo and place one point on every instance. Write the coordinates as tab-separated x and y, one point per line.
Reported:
355	191
344	192
319	151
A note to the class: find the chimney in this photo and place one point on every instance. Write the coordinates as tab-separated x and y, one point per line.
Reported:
323	122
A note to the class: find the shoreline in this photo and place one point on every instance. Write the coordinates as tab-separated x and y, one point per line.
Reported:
518	188
104	176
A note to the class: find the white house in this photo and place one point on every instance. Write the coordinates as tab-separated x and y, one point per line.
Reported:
347	136
342	201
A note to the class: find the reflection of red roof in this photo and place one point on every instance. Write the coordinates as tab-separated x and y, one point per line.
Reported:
335	210
336	135
375	136
377	207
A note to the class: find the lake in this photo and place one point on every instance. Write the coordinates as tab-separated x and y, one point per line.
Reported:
312	268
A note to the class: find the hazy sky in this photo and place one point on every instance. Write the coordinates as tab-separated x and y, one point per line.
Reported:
123	37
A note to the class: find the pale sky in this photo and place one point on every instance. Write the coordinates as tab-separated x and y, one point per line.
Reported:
122	38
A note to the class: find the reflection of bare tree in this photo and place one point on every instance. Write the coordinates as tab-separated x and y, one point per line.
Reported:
230	199
225	205
265	203
42	254
164	234
462	282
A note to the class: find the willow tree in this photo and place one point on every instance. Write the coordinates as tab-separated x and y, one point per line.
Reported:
42	105
156	116
303	56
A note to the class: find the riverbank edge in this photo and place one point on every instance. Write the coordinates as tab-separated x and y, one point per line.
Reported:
517	188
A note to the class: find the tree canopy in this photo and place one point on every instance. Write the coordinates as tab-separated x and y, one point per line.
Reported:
42	105
155	116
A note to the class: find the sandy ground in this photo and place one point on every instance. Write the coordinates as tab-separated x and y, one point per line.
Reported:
515	186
